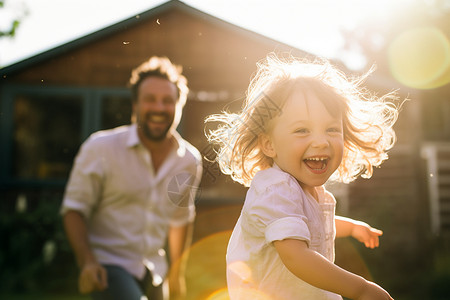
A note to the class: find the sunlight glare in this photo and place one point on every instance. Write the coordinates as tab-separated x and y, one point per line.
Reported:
206	266
249	293
241	270
221	294
420	58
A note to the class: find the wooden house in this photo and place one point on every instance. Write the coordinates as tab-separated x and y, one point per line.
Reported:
52	101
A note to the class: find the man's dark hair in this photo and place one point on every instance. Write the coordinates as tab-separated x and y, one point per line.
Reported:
160	67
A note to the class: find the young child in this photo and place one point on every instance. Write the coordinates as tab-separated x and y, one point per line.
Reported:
302	123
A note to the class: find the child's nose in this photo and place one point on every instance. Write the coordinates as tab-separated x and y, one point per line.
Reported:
320	141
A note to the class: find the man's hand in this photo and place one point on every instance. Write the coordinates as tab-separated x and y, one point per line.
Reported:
93	277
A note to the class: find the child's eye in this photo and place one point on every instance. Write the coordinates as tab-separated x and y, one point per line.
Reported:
302	130
334	130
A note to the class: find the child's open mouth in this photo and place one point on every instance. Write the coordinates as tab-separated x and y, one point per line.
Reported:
316	163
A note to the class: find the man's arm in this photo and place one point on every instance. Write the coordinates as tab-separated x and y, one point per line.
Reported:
316	270
180	239
92	275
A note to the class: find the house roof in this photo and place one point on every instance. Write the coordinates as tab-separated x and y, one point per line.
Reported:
110	30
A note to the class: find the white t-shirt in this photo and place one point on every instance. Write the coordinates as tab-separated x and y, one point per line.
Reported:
277	208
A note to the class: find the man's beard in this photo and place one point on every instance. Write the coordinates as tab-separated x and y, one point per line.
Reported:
152	135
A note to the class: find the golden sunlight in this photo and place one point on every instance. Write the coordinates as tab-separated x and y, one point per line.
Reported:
221	294
420	58
206	268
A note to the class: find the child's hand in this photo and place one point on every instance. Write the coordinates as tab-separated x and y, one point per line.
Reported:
373	291
366	234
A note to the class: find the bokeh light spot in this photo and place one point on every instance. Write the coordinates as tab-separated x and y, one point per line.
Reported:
420	58
250	293
206	267
241	270
221	294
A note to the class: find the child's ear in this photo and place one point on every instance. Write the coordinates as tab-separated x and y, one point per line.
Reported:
265	143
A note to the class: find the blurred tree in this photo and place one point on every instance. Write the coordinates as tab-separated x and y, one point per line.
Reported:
15	22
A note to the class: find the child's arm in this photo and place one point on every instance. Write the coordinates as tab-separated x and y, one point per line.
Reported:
316	270
359	230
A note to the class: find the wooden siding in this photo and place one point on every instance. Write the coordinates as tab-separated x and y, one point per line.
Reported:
218	59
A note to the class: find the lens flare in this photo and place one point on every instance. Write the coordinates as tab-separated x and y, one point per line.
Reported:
221	294
206	267
243	293
241	270
249	293
420	58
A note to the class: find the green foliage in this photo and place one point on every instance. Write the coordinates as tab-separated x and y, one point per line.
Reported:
439	278
34	253
11	32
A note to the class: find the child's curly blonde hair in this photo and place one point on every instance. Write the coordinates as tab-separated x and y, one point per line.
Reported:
367	119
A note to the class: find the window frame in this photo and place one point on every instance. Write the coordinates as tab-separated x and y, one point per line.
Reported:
91	104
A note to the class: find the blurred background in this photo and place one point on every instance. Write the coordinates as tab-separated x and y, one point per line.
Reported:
64	68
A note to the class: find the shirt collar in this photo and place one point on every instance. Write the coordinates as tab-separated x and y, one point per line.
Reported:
320	189
133	140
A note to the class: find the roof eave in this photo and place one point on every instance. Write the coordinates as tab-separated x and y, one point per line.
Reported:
110	30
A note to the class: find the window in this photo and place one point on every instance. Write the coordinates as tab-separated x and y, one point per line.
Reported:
46	135
42	128
115	111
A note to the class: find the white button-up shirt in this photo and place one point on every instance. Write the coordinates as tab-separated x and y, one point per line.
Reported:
129	207
276	208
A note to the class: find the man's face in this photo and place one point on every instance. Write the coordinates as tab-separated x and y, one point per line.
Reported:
155	108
